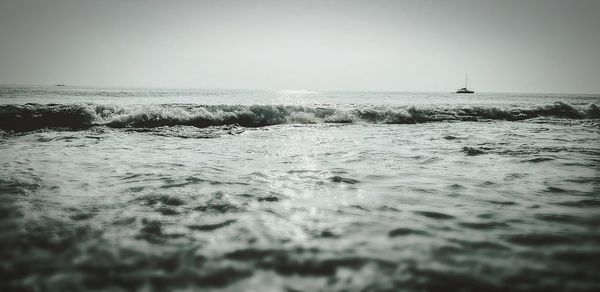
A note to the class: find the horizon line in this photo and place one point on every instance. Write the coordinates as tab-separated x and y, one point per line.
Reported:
59	85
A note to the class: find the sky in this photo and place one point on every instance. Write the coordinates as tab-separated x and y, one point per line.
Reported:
376	45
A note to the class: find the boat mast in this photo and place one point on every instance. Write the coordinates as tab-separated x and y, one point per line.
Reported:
466	81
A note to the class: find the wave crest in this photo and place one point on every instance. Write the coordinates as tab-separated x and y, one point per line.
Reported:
77	116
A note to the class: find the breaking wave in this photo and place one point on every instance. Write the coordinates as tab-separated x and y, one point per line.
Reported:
79	116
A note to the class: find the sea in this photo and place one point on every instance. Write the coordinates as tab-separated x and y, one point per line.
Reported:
137	189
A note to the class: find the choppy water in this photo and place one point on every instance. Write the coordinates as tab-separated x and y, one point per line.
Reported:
298	190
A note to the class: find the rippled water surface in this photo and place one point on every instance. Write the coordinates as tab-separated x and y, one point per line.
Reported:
298	191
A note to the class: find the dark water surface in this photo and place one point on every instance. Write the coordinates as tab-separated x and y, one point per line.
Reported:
298	191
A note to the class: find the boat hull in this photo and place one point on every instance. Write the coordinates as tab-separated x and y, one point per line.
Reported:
465	91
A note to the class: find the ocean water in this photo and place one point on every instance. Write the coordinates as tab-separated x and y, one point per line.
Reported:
153	190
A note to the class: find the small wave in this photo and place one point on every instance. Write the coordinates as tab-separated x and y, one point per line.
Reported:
472	151
218	208
556	190
482	225
538	159
540	239
566	219
340	179
79	116
402	231
78	215
211	227
581	203
503	203
268	199
480	245
450	137
153	199
434	215
152	232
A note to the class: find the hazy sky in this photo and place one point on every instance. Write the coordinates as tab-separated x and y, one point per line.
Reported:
505	45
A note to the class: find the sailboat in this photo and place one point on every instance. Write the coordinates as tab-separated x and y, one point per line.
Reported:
465	89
